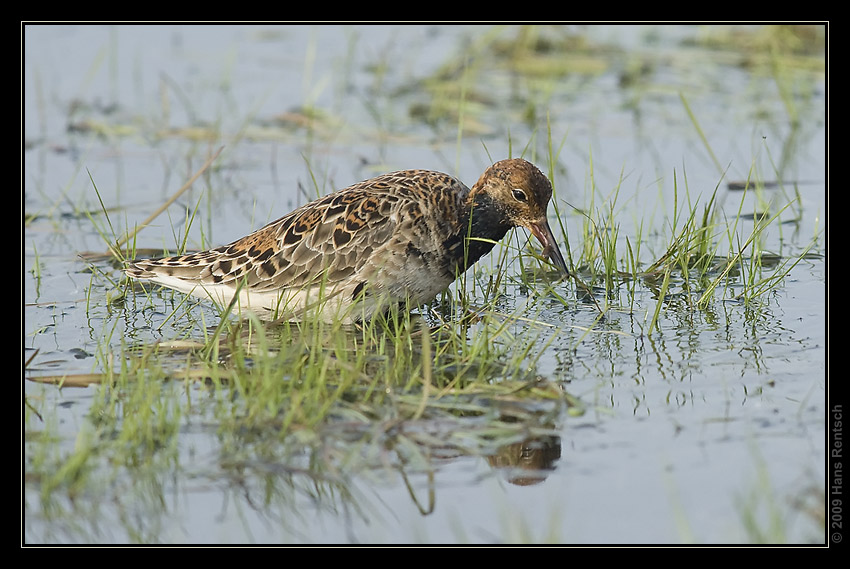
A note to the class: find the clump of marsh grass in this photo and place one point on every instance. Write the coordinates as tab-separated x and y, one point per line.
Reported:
707	251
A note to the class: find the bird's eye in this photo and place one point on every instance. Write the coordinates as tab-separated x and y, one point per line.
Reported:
519	195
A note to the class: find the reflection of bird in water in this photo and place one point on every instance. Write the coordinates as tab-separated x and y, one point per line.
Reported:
528	462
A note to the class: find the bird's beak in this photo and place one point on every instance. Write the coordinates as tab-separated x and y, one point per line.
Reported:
543	232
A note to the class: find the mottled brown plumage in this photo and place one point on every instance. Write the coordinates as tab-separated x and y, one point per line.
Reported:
398	238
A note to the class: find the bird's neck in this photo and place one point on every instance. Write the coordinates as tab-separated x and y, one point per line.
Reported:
481	226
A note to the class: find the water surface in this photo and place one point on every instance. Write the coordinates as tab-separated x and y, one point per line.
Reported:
710	429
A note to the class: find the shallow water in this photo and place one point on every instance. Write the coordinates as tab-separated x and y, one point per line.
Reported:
689	431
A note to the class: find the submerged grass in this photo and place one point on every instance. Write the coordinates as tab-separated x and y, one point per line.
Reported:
310	400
